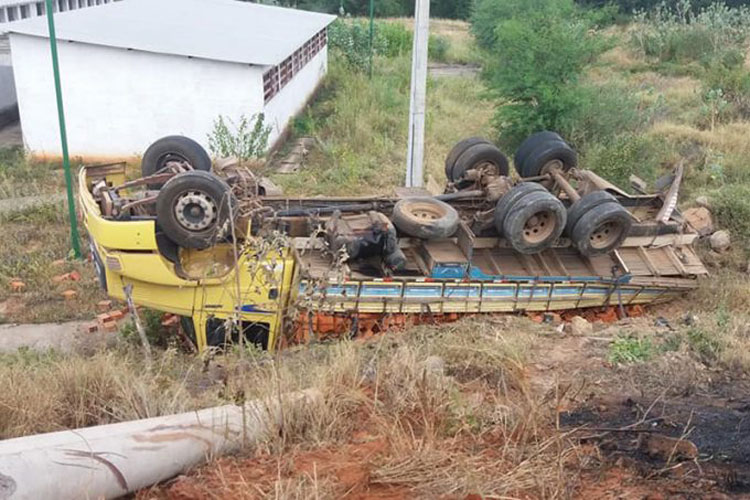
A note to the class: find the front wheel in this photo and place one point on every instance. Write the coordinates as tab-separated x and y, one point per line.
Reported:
176	153
193	208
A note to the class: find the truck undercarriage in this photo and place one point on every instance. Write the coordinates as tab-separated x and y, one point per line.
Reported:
229	254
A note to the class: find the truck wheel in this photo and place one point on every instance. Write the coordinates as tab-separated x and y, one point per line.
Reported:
174	149
586	203
534	223
458	150
193	207
601	229
532	143
557	153
425	218
480	157
505	203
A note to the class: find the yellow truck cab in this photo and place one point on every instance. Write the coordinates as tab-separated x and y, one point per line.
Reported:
202	285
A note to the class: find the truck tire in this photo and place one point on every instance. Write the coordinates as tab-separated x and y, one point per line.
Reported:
425	218
586	203
174	148
480	156
552	151
505	203
458	150
193	207
532	142
534	223
602	229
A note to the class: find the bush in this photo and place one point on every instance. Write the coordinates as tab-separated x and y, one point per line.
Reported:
625	155
685	33
731	207
488	14
439	46
534	69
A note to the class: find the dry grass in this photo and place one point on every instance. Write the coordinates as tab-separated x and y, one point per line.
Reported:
472	426
362	128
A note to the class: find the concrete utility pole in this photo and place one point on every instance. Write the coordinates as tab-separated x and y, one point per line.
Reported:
415	154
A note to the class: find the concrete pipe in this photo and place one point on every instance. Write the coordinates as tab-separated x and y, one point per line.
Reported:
109	461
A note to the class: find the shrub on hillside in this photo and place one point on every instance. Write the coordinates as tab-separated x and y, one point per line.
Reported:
534	69
625	155
731	207
684	33
488	14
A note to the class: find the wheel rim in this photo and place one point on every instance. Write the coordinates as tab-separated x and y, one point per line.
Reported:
175	162
539	227
606	234
195	211
552	164
425	212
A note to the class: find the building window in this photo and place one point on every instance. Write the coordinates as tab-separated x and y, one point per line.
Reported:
278	76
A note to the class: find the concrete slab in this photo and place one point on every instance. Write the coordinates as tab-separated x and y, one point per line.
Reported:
42	337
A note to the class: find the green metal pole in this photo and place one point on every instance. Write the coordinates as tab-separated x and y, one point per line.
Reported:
372	33
74	238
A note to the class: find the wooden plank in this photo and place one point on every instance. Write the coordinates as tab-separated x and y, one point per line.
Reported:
465	240
559	263
675	260
647	260
545	266
496	269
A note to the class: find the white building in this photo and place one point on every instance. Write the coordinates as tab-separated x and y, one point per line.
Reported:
137	70
15	10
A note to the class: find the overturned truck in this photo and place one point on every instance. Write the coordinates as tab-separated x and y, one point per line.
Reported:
238	261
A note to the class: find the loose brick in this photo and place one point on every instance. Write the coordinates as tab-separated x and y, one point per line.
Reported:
69	294
110	326
116	315
102	318
17	285
92	328
104	305
169	320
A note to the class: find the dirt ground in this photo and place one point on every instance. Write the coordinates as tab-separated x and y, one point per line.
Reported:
670	427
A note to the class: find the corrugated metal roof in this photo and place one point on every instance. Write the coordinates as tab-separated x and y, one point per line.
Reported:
222	30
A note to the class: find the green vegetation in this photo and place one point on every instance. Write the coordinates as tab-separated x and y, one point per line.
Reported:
361	124
244	140
626	350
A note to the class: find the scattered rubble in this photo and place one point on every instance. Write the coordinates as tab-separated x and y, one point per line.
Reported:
296	157
579	327
700	219
720	241
702	201
667	448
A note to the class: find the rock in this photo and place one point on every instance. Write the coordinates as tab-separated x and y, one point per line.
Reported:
435	365
720	241
69	294
700	219
552	318
702	201
665	447
579	327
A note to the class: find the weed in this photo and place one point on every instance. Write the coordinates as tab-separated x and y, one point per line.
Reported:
703	343
626	155
731	208
626	350
244	140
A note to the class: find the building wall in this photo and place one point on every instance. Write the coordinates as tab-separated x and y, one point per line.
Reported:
117	102
292	99
15	10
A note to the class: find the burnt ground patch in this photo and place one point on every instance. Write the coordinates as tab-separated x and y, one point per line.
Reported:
702	441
